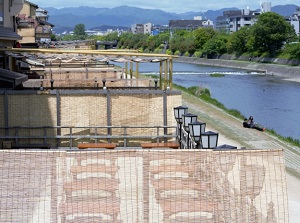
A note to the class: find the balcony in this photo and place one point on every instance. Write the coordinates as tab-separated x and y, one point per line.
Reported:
24	22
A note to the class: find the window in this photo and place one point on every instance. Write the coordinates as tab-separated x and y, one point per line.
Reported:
1	12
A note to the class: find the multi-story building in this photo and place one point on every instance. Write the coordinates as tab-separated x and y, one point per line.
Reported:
295	21
8	9
196	23
147	28
32	23
137	28
141	28
233	20
43	29
26	22
265	7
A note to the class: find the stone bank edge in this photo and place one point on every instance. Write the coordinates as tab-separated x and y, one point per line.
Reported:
287	72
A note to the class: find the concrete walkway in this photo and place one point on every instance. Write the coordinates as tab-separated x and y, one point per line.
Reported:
232	132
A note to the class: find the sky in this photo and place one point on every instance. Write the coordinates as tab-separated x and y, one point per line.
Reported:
176	6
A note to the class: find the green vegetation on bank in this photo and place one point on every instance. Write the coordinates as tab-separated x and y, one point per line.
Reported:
216	75
204	94
270	36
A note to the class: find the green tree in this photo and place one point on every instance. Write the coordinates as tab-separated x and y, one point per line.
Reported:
79	31
190	45
53	37
202	35
181	33
177	43
173	44
151	45
68	37
238	41
160	40
293	50
270	33
125	41
216	46
111	37
139	41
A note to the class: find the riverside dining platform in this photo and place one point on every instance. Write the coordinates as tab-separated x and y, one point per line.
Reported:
96	145
172	145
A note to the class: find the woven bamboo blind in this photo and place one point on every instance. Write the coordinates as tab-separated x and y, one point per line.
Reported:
143	186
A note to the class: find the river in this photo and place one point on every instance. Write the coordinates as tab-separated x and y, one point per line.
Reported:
269	99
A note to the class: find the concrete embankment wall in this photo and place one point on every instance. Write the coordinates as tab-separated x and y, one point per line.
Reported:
284	71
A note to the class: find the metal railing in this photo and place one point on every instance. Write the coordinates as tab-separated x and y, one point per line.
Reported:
46	134
187	142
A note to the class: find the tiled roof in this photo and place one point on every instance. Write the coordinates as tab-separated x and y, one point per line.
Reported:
185	23
41	22
32	4
12	77
8	34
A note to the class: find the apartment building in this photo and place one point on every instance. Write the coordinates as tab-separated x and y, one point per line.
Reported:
233	20
295	21
141	28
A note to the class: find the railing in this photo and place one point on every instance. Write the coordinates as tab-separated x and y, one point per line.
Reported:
187	142
46	134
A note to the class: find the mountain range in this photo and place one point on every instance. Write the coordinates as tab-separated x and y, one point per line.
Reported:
123	17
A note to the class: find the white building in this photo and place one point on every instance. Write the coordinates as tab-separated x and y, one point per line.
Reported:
295	21
265	7
141	28
234	20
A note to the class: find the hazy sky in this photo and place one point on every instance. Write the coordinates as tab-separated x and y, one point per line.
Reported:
177	6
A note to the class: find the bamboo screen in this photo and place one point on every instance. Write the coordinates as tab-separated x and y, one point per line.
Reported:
143	186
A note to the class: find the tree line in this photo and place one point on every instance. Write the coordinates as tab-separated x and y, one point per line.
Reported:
270	36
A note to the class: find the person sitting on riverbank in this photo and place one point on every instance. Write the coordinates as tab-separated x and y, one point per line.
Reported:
249	123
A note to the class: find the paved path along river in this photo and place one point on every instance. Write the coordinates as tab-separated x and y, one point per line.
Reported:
232	132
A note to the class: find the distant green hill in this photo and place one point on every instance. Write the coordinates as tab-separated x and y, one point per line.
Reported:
125	16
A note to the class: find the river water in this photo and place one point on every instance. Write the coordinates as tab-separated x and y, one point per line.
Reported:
271	101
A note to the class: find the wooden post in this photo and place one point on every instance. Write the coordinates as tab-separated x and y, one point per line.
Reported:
130	70
137	70
166	75
126	69
171	72
160	75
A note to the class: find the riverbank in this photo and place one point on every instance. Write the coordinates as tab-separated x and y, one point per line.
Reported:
286	72
232	132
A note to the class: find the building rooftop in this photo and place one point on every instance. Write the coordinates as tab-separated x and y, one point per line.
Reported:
8	34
